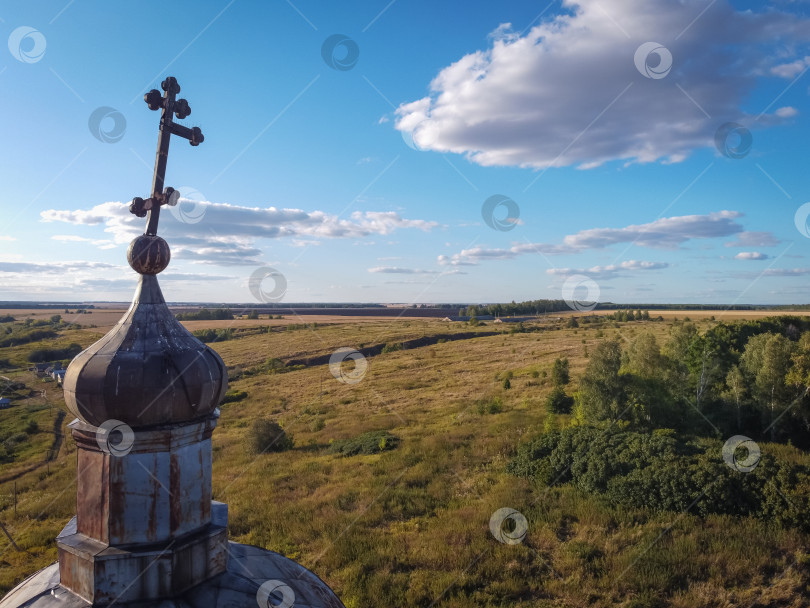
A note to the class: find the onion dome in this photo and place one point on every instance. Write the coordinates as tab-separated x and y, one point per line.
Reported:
148	369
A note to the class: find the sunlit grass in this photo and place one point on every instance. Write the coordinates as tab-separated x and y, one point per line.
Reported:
409	526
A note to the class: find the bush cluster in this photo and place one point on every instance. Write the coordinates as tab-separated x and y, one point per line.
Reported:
371	442
658	472
268	436
206	314
42	355
213	335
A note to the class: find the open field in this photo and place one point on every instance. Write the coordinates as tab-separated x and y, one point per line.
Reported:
410	526
105	316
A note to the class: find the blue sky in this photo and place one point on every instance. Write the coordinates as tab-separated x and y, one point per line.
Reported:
359	167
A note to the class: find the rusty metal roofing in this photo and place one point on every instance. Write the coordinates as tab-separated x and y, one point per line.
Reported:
252	575
147	370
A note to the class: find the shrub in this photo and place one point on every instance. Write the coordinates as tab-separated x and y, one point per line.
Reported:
661	473
558	402
232	396
390	348
42	355
489	405
371	442
24	336
267	436
213	335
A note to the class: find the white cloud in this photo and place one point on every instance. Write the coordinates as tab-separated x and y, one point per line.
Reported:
663	233
568	93
791	69
786	272
754	239
5	237
787	112
398	270
751	255
226	234
52	267
72	238
611	271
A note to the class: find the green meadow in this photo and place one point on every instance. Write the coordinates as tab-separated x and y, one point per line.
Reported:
389	478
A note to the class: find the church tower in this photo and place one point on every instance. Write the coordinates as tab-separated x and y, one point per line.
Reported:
147	532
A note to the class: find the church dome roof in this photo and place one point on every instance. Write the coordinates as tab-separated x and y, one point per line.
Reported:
147	370
253	576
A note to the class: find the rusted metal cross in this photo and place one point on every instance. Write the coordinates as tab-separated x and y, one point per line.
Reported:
181	109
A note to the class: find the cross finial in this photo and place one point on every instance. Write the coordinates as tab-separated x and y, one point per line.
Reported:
181	109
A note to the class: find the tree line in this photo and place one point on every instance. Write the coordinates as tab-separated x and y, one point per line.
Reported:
748	377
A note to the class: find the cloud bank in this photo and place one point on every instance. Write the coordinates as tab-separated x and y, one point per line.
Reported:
664	233
568	92
226	235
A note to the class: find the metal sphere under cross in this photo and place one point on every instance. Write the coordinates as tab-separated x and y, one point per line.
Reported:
181	109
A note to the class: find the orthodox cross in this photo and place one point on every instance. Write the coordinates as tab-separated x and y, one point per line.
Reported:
181	109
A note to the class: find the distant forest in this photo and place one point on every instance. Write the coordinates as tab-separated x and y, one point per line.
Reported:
538	307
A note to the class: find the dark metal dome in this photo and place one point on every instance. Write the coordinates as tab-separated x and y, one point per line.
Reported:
147	370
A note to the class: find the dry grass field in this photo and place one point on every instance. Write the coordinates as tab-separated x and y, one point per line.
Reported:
410	526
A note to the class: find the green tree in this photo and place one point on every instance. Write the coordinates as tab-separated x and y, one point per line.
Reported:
643	357
676	349
601	388
736	389
560	375
643	368
694	365
558	402
768	359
